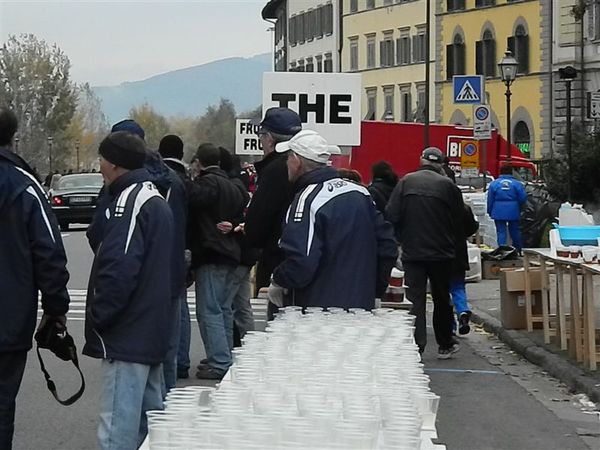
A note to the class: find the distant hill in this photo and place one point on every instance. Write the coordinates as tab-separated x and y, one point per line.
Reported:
190	91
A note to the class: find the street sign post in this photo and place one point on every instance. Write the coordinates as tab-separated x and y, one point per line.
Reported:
468	89
482	122
469	158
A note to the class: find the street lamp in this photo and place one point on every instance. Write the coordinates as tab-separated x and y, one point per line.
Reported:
50	141
508	71
568	74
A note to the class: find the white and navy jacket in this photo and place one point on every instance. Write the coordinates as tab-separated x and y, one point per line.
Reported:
32	256
339	250
129	301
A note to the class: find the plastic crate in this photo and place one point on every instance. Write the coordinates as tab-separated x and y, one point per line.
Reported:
583	235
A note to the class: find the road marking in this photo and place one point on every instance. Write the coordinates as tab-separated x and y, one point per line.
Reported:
474	371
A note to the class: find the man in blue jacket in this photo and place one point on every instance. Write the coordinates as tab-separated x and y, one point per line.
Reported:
129	302
339	251
32	259
505	197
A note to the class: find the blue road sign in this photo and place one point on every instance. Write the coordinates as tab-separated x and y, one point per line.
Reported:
468	89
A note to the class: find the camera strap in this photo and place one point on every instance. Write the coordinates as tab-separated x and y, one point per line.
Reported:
52	387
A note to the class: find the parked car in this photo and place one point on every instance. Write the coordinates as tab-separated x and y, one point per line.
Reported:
73	198
472	184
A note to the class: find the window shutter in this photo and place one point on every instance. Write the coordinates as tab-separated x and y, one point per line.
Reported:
382	54
292	34
416	49
319	22
479	57
329	14
390	52
490	59
449	61
523	53
398	51
459	59
408	50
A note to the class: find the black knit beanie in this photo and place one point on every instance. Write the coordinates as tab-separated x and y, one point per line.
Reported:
171	146
123	149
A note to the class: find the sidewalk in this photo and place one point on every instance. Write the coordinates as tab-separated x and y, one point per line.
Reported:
484	299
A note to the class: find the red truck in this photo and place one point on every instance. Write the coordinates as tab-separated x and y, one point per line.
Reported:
401	145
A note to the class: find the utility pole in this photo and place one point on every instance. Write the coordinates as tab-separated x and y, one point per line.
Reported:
427	73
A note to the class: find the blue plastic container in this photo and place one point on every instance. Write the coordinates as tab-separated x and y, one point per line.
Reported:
583	235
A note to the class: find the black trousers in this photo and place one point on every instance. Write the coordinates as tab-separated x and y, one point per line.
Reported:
12	367
439	273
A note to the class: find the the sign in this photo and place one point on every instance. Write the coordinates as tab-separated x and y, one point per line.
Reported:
594	105
468	89
328	103
247	141
482	122
469	158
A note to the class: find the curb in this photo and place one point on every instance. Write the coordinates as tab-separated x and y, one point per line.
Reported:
567	372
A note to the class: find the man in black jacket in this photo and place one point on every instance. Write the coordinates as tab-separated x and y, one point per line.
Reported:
266	213
32	259
426	209
129	303
213	199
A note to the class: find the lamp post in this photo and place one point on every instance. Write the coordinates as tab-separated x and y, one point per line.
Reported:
77	150
50	141
568	74
508	71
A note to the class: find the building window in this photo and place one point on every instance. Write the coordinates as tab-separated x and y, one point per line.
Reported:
405	104
419	46
300	66
300	30
403	47
522	137
455	57
310	66
386	50
319	22
354	53
387	2
455	5
353	5
485	55
388	103
421	102
327	19
519	46
293	66
370	51
319	59
293	31
482	3
370	4
593	14
328	64
371	104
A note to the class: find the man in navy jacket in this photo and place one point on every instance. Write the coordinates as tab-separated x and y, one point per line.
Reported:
339	251
129	301
505	197
32	259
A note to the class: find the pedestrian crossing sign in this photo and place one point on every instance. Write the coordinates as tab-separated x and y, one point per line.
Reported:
468	89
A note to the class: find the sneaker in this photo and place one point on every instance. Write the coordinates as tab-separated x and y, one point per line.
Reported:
210	373
463	323
203	363
182	374
446	353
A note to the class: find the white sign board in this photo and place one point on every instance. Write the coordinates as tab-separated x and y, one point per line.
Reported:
470	172
247	141
328	103
594	105
482	122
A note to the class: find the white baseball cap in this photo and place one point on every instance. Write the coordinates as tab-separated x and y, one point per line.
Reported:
308	144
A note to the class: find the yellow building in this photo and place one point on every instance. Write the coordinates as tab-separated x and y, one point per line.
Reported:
384	41
472	36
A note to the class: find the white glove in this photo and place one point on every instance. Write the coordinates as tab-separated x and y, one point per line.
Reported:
276	293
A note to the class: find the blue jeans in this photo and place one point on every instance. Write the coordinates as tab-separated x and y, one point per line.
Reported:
242	309
128	390
458	294
170	362
12	367
183	350
514	228
215	288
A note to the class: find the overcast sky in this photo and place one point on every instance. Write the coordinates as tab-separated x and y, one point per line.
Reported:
111	42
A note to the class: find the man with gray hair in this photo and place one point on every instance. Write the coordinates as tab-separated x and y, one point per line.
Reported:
338	249
426	209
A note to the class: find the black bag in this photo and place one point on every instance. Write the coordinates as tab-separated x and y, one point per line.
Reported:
54	337
502	253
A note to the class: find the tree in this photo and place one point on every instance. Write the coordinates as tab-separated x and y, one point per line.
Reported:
35	83
217	125
154	124
586	166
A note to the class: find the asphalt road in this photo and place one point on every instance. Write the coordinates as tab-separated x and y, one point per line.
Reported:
490	399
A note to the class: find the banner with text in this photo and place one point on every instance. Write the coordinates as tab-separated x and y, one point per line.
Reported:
328	103
247	141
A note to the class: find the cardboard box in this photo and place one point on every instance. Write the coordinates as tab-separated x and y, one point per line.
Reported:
514	279
491	269
512	303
